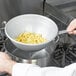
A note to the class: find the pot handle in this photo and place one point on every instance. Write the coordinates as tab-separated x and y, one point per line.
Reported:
56	39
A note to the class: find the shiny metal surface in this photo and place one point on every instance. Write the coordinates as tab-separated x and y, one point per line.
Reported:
62	32
40	58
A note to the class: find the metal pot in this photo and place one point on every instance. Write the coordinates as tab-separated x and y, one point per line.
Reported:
39	57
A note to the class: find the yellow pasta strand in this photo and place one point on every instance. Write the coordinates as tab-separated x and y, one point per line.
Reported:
30	38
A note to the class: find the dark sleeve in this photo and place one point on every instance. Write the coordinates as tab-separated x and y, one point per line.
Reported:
58	14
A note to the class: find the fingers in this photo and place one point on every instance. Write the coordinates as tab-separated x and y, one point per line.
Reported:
72	32
71	29
4	56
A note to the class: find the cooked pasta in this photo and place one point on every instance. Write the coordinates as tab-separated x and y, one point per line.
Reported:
30	38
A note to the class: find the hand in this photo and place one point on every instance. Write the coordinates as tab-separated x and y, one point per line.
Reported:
6	64
71	29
